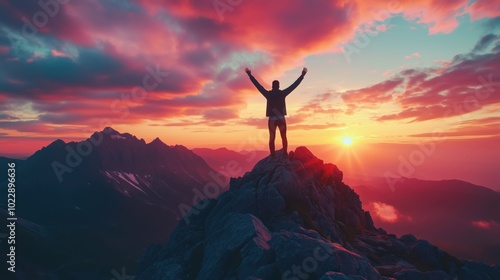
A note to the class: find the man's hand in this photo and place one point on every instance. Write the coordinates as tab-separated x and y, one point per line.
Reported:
304	71
248	71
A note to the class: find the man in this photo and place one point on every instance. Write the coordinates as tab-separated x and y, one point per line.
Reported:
276	108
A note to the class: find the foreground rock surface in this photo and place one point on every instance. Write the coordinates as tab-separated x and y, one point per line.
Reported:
294	218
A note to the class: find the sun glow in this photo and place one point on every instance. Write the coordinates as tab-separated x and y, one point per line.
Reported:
347	141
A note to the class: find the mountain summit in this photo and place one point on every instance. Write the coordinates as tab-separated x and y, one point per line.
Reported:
295	219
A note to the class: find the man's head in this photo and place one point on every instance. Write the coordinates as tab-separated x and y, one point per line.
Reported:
276	84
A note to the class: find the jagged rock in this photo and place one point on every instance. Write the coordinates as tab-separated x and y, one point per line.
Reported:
295	219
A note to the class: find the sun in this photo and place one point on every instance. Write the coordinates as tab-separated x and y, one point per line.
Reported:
347	141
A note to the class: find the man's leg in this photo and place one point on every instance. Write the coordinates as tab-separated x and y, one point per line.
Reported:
284	140
272	135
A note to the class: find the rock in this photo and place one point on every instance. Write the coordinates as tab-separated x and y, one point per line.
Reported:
425	255
476	271
413	274
294	219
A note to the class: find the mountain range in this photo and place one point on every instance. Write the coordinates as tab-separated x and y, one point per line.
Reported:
434	209
90	207
89	210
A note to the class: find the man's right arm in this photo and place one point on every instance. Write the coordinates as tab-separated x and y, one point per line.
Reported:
256	83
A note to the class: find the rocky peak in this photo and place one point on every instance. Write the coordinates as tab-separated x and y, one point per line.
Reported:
304	188
157	142
294	218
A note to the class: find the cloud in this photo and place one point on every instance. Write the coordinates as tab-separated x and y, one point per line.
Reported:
7	117
220	114
306	126
192	123
39	127
484	224
321	104
475	127
468	83
371	96
388	213
257	122
385	212
416	54
92	54
484	9
4	50
484	43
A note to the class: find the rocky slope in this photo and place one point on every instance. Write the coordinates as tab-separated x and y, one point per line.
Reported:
295	219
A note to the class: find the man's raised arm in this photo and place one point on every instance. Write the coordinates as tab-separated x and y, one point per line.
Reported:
256	83
289	89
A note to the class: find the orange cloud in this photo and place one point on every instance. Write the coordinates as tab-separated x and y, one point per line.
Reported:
388	213
476	127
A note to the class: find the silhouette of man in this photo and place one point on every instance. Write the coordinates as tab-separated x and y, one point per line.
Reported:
276	108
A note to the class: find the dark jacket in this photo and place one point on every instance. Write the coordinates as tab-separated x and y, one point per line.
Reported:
276	98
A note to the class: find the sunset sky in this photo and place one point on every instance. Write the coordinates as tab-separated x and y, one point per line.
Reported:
379	72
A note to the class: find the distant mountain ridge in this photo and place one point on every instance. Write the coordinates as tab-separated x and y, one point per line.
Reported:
436	208
114	194
229	162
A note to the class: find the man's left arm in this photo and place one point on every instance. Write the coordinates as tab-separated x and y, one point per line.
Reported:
289	89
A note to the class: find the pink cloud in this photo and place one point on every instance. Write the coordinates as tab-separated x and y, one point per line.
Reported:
382	27
195	45
388	73
466	84
58	53
476	127
483	224
439	16
388	213
4	50
220	114
370	96
416	54
484	9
